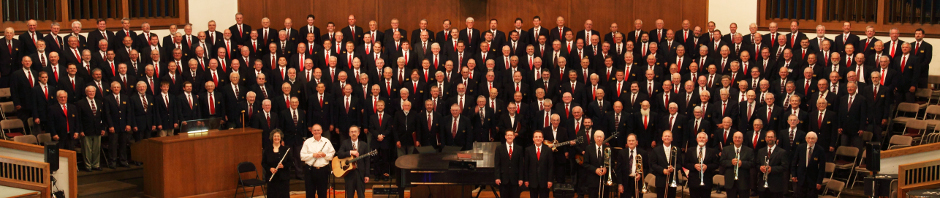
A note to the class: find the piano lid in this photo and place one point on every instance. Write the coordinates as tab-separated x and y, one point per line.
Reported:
482	154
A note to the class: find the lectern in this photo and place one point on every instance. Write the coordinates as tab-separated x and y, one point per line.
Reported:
196	164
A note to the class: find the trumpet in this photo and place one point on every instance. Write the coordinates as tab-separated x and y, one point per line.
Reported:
639	174
701	162
737	157
766	163
673	155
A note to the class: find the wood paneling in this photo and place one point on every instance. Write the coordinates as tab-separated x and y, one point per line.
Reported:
409	12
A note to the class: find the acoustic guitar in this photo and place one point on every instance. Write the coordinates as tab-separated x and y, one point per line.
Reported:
341	167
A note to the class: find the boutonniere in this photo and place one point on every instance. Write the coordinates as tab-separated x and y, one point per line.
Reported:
921	51
679	126
632	74
151	104
73	115
761	140
123	102
882	95
828	122
815	159
326	102
775	118
354	108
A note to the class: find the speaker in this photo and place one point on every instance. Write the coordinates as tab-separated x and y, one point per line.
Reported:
52	156
873	160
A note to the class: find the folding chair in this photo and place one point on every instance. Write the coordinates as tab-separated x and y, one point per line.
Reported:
29	139
830	169
6	126
650	180
248	167
932	138
44	138
5	92
7	108
931	116
845	159
919	125
904	109
835	186
935	81
924	93
899	141
719	181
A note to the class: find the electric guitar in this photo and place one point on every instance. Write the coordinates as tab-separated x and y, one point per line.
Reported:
555	144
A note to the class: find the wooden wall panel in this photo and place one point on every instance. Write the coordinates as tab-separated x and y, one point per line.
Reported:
296	10
600	12
442	9
409	12
338	11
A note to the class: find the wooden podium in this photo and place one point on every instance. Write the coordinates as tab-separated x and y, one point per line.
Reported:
197	164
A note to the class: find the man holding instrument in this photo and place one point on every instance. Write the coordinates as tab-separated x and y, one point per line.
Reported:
773	169
316	154
663	164
702	163
631	178
356	178
736	160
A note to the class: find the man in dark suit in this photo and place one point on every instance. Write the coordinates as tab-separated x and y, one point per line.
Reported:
92	116
404	128
471	36
294	126
354	147
702	162
773	169
380	132
736	160
808	168
537	173
54	42
349	112
64	124
593	167
119	123
630	175
879	103
167	110
352	32
852	117
240	30
456	129
29	38
846	38
95	36
145	117
509	174
21	86
423	29
664	162
267	120
792	134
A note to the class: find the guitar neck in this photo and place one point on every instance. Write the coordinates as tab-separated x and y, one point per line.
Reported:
361	156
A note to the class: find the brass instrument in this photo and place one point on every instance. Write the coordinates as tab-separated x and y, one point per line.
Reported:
737	156
701	162
673	155
766	163
639	174
601	183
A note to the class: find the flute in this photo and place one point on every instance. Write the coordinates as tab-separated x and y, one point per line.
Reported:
279	162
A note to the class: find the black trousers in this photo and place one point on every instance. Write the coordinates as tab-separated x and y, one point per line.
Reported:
538	192
697	191
355	184
510	189
734	190
808	190
769	194
317	181
380	162
665	191
118	142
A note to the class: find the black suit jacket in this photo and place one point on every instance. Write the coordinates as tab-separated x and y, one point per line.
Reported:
743	175
711	161
538	167
364	164
779	163
592	161
509	168
658	163
808	172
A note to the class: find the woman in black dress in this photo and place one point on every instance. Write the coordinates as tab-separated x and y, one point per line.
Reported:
279	186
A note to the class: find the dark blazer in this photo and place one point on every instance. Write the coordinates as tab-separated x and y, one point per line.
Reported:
711	161
852	118
93	119
270	159
364	164
381	127
62	124
779	163
144	114
294	133
747	160
169	112
658	163
218	99
405	127
538	168
464	136
592	161
808	172
119	113
509	167
259	121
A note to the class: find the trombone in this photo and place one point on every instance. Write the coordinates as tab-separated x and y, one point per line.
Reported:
639	174
610	179
673	155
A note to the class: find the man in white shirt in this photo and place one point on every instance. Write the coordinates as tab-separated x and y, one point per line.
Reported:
316	154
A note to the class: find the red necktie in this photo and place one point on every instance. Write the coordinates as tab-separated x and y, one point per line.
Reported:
65	111
212	105
510	152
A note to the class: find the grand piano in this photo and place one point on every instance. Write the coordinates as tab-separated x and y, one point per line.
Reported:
448	169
